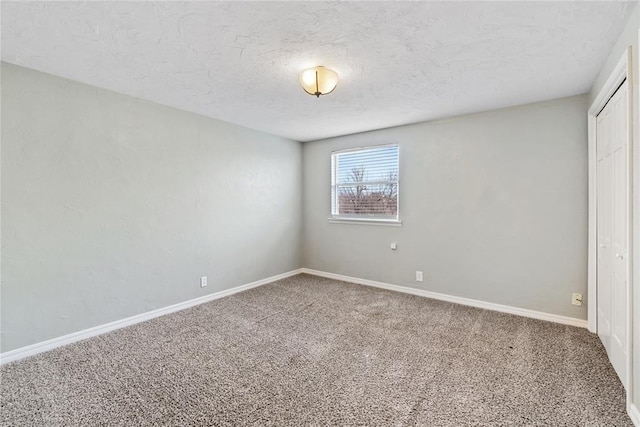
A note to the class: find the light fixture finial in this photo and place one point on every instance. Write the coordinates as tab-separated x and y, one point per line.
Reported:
318	80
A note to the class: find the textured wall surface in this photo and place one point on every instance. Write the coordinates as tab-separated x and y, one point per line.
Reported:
494	208
399	62
113	206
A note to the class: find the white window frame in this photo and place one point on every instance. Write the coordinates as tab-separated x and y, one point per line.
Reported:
356	219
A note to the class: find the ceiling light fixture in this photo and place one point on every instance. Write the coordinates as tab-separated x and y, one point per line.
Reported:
318	80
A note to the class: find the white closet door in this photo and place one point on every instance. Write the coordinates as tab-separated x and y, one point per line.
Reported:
612	221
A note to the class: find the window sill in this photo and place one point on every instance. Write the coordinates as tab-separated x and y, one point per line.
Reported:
367	221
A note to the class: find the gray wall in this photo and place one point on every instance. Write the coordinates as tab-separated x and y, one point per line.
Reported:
113	206
494	208
629	37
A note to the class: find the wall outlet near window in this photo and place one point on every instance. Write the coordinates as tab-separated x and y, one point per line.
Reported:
576	299
419	276
203	282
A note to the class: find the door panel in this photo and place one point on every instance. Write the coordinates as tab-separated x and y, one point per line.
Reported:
604	248
612	181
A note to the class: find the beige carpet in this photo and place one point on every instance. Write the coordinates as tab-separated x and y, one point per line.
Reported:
312	351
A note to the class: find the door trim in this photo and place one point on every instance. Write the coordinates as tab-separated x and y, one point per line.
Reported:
621	72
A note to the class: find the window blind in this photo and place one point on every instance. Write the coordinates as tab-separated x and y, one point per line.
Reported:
364	183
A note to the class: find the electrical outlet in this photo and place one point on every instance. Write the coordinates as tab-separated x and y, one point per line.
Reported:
394	246
418	276
576	299
203	281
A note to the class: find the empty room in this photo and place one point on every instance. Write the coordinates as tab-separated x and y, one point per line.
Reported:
318	213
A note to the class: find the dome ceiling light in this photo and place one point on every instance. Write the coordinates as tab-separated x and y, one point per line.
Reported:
318	80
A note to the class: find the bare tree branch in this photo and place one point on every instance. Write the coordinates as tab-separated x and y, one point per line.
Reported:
357	197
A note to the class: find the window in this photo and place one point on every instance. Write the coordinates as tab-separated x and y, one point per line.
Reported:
364	184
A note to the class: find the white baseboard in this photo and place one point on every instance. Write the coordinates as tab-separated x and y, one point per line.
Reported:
458	300
634	414
40	347
43	346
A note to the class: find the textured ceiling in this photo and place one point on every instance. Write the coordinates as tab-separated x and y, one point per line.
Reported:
399	62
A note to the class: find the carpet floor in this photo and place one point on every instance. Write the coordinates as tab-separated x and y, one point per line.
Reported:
314	351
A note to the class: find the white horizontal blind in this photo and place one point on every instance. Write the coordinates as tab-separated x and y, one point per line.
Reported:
364	183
